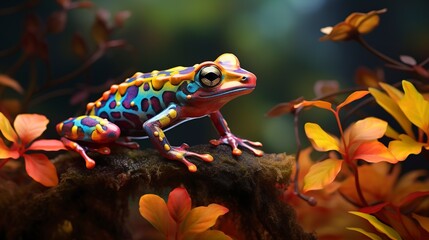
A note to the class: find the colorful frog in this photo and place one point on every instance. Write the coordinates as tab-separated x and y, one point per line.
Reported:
147	103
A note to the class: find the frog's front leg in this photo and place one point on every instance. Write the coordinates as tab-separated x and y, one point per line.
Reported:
227	137
153	128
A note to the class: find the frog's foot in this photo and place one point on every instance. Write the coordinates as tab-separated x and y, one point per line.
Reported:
234	141
180	154
73	146
127	142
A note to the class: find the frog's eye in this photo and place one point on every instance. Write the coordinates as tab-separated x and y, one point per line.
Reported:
210	76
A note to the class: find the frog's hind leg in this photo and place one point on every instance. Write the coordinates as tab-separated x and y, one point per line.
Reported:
74	146
128	142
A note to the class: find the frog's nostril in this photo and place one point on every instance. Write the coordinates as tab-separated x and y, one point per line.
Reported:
244	79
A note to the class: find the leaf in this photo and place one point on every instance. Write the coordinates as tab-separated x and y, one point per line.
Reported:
374	209
7	130
155	211
47	145
284	108
6	153
369	78
325	87
7	81
322	174
351	98
212	235
372	236
57	21
423	221
317	103
79	46
100	29
404	146
415	107
320	139
30	126
200	219
179	204
373	152
41	169
393	109
408	60
121	17
381	227
370	128
340	32
412	197
393	93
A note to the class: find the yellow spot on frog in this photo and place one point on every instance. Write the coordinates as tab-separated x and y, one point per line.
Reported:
164	121
132	104
98	104
160	139
99	128
172	113
167	147
156	134
122	88
74	132
118	103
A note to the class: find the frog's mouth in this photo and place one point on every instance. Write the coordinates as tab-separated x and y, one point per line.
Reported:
232	91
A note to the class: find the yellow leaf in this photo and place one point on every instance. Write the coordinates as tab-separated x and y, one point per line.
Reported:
404	146
154	210
373	236
381	227
390	105
393	93
320	139
390	132
7	130
370	128
423	221
339	32
351	98
200	219
415	107
322	174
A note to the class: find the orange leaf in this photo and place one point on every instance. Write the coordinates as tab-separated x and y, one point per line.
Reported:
317	103
322	174
30	126
155	211
370	128
212	235
320	139
339	32
47	145
9	82
179	204
374	152
41	169
200	219
7	130
5	152
351	98
423	221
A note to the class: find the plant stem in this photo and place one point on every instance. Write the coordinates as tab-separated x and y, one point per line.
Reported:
380	55
357	185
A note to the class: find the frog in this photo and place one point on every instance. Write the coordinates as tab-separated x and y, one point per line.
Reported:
146	105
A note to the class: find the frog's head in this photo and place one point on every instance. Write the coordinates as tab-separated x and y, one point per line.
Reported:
216	83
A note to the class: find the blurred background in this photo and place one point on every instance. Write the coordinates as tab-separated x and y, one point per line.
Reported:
278	40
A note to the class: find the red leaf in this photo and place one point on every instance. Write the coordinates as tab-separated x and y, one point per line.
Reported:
57	21
121	17
9	82
412	196
374	209
41	169
179	204
47	145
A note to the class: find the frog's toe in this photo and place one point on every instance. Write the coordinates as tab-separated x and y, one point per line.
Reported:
255	144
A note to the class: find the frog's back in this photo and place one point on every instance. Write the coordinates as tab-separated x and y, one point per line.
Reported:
141	97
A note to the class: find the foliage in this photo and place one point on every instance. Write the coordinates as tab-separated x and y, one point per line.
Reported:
365	181
28	127
176	220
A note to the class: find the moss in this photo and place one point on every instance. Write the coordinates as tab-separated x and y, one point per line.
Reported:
95	203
